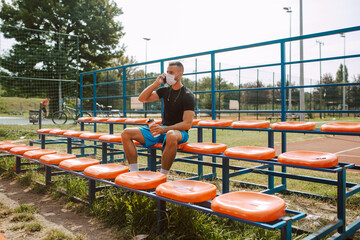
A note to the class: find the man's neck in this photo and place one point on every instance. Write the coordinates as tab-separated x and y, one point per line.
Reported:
177	86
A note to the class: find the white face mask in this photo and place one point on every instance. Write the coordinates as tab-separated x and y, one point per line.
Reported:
170	79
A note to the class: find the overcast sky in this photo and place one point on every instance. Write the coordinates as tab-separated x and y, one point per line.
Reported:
191	26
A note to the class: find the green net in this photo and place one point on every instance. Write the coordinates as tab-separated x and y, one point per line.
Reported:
37	64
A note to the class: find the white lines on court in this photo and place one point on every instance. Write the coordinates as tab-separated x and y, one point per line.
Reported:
348	150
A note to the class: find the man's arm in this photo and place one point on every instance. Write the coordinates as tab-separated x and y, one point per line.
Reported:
186	124
149	94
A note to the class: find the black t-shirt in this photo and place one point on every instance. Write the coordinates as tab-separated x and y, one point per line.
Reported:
175	103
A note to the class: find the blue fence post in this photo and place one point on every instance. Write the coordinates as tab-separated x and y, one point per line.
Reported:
162	70
213	77
81	95
124	91
283	104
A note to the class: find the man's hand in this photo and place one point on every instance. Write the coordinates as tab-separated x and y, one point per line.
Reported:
160	79
157	129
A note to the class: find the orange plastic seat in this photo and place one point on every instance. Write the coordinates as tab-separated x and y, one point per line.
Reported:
195	122
251	124
74	133
294	125
341	127
309	158
99	119
58	131
91	135
22	150
78	164
46	130
85	119
106	171
56	158
7	147
187	191
212	148
215	123
116	120
160	145
249	152
140	180
251	206
110	138
136	120
36	154
6	142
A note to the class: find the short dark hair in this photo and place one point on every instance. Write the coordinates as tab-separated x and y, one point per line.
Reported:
178	64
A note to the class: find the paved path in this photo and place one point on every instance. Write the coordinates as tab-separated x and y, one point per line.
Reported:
19	121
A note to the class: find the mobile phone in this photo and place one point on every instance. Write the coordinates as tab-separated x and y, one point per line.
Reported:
164	79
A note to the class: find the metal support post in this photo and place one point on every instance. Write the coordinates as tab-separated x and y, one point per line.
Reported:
69	145
161	216
104	152
47	175
42	141
341	199
225	175
152	160
17	165
92	186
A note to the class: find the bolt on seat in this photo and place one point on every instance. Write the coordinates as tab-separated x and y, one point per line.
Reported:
251	124
187	191
46	130
110	138
215	123
210	148
250	152
78	164
309	159
22	150
294	125
7	147
56	158
251	206
58	131
116	120
106	171
341	127
74	133
140	180
92	135
37	154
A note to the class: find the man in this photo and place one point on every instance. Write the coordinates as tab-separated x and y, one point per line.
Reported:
178	116
44	106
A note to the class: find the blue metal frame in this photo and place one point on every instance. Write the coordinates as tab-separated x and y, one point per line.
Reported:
282	64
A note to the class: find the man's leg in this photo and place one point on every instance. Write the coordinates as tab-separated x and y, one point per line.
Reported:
127	137
172	139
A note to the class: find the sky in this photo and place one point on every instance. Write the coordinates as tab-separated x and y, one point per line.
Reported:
192	26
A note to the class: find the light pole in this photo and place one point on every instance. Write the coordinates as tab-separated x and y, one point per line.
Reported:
288	10
343	88
320	90
146	42
302	99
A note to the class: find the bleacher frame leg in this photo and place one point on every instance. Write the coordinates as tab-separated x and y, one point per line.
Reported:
17	165
286	231
47	175
92	190
161	216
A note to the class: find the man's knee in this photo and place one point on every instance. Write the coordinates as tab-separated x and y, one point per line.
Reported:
171	137
126	134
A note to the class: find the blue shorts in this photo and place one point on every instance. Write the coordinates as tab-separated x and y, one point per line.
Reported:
151	140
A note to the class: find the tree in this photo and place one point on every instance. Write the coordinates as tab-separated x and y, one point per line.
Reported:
92	20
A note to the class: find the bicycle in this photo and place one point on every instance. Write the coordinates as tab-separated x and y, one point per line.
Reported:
107	111
61	117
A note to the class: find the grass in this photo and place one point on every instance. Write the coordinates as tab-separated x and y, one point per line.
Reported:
55	234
